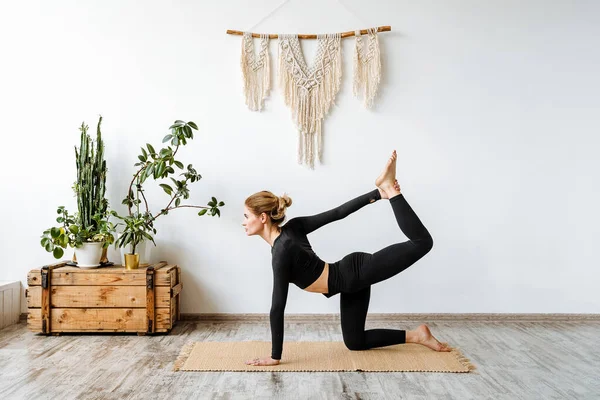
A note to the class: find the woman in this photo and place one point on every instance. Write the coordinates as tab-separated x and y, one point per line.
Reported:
293	260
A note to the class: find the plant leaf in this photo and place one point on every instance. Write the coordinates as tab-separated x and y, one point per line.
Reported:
58	252
167	188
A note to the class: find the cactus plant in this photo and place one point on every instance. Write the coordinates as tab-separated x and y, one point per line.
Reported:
90	186
90	223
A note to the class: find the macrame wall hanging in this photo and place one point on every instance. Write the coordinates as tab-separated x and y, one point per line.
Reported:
255	71
367	67
309	90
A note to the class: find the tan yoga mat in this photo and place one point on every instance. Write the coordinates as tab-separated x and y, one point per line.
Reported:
319	356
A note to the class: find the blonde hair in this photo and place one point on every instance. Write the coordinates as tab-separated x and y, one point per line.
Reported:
266	202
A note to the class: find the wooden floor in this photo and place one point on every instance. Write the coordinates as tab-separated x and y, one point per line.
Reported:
514	360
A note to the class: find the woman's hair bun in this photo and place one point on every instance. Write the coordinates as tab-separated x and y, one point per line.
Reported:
278	213
285	201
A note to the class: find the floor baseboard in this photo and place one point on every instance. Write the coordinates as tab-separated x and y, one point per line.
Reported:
374	317
506	317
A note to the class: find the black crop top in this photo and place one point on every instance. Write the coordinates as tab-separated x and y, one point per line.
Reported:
294	260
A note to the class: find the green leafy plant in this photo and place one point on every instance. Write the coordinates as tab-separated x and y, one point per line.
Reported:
137	228
90	223
70	233
160	165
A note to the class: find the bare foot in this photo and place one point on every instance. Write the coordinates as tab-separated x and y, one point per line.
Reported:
386	182
383	193
422	335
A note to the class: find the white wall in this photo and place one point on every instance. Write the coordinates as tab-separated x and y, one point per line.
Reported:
491	106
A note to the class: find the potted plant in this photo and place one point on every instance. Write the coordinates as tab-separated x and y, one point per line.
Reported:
137	229
89	242
138	224
88	231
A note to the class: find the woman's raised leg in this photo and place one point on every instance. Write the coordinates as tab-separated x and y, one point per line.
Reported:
396	258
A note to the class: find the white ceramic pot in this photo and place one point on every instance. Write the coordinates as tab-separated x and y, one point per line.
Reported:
144	249
89	255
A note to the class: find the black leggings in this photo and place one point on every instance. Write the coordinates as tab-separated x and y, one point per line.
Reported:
354	274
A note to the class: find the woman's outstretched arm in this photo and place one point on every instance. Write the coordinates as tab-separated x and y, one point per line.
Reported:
314	222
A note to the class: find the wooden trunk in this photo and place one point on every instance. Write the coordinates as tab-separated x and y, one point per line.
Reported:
62	298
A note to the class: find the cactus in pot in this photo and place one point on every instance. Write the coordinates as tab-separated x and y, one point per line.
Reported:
89	230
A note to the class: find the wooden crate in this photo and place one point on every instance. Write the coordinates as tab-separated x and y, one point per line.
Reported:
62	298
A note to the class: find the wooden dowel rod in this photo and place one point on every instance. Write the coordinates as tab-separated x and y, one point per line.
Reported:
312	36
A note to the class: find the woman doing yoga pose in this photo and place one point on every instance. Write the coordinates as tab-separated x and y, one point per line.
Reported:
294	261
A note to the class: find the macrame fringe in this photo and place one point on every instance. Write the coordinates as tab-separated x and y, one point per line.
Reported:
308	100
367	68
462	359
183	356
256	72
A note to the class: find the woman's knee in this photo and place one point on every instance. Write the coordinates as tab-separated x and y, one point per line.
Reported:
424	244
354	344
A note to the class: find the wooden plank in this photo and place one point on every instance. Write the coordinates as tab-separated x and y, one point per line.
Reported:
34	276
164	276
46	282
98	296
173	312
172	278
179	282
58	264
169	268
160	265
165	320
150	305
98	319
45	303
78	277
175	290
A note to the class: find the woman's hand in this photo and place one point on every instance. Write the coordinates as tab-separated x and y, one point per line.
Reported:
262	361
